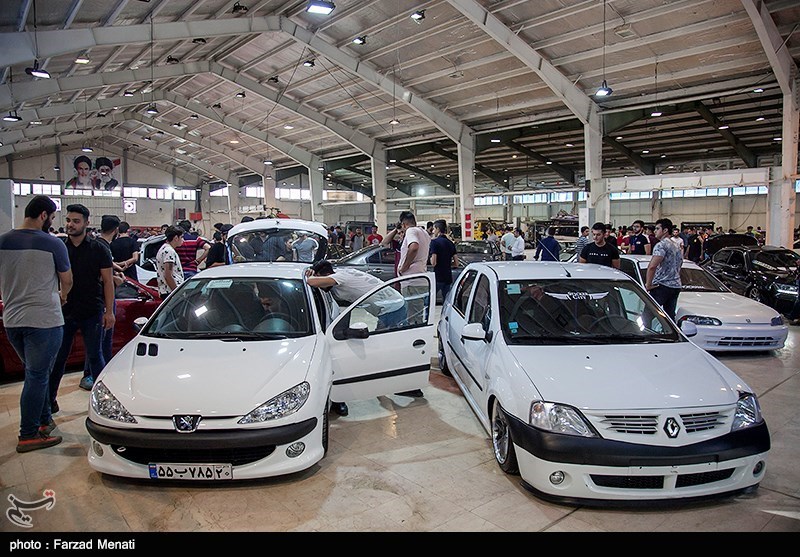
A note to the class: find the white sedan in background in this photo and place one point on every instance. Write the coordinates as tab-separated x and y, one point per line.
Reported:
725	321
232	376
591	393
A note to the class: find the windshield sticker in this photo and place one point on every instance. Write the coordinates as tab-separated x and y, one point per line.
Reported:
513	327
578	295
192	284
219	283
512	288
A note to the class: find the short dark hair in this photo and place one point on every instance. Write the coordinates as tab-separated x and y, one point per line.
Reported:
123	227
599	226
666	224
323	268
551	231
639	222
584	228
441	226
78	208
109	223
38	205
186	225
408	216
217	236
247	218
173	231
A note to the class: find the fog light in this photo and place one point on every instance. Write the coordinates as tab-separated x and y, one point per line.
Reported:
758	468
97	448
295	449
557	477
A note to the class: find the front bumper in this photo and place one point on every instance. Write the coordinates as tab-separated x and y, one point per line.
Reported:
740	337
253	453
604	470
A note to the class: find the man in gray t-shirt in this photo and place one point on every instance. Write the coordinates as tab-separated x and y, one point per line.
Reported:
304	248
664	272
35	278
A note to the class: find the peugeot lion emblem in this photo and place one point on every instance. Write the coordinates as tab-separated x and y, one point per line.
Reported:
186	424
672	428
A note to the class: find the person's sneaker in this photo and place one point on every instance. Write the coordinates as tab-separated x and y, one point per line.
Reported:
48	428
86	383
38	441
340	408
416	393
54	409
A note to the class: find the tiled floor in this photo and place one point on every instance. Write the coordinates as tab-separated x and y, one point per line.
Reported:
395	464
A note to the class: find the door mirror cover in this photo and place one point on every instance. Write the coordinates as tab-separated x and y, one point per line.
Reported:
473	331
688	328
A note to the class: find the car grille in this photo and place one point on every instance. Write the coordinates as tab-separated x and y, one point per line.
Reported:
644	424
657	482
754	341
236	457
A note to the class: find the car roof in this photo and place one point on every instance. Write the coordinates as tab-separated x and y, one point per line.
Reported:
524	270
644	260
258	269
282	224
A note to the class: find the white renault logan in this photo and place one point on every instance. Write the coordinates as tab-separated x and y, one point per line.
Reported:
232	376
590	392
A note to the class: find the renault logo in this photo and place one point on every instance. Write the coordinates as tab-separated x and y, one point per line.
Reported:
186	424
672	428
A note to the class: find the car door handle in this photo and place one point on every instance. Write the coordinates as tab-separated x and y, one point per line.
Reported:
377	271
418	343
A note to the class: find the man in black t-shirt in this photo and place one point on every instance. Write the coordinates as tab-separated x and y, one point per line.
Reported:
443	258
125	251
218	254
600	251
694	248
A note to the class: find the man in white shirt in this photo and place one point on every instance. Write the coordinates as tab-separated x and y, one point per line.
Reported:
518	247
506	241
168	263
676	239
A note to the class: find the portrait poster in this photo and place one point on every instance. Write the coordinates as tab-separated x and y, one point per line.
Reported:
90	171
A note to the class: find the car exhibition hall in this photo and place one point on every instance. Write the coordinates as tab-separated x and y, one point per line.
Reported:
453	266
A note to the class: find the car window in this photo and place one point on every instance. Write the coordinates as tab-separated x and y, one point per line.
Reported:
404	304
736	259
273	244
387	256
699	280
776	260
481	304
462	292
629	268
239	307
374	258
322	308
721	257
578	311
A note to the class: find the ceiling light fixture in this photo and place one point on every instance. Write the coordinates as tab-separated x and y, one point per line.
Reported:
82	60
268	163
199	40
273	79
758	90
320	7
216	105
604	90
239	9
36	71
127	94
148	138
360	40
394	122
194	116
12	117
57	168
760	119
240	95
172	60
288	127
309	63
86	149
418	16
151	109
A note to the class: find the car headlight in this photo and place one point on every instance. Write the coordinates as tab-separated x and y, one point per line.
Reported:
288	402
559	418
777	321
106	405
748	412
783	288
700	320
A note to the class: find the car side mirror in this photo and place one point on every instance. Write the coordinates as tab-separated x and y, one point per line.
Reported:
358	329
688	328
473	331
139	323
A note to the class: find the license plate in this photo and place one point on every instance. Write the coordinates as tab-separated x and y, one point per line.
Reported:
191	472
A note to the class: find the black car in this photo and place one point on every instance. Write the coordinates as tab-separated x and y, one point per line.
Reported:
767	274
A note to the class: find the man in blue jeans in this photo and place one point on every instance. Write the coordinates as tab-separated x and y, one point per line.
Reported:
32	265
90	304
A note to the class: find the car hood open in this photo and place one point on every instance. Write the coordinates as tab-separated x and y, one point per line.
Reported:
730	308
629	376
208	377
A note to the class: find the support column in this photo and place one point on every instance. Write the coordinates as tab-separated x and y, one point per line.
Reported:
655	206
268	181
316	180
379	190
466	188
597	200
780	192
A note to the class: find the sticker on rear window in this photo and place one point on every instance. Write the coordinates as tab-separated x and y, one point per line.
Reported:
512	288
220	283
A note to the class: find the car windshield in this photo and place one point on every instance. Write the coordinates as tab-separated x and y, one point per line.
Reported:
581	311
271	244
776	260
698	280
237	308
351	256
473	247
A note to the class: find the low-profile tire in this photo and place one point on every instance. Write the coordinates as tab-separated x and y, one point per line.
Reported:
502	444
754	294
443	360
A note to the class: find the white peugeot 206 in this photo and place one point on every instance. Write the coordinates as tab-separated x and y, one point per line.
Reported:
590	393
232	376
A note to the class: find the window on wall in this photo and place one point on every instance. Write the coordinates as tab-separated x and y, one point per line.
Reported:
164	194
23	188
292	193
624	195
561	197
254	191
221	192
341	195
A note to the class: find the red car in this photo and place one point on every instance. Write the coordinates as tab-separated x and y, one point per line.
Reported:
133	300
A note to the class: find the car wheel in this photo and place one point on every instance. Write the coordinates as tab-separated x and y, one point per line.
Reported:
443	361
502	443
754	294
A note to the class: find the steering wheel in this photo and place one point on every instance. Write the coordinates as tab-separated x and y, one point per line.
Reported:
284	316
616	323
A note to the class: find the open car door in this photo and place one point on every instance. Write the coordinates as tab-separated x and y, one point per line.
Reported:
383	342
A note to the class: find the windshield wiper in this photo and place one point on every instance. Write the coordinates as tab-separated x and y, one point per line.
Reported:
237	335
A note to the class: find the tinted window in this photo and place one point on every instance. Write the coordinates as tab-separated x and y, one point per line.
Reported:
721	257
776	260
629	268
481	303
736	259
462	292
697	280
